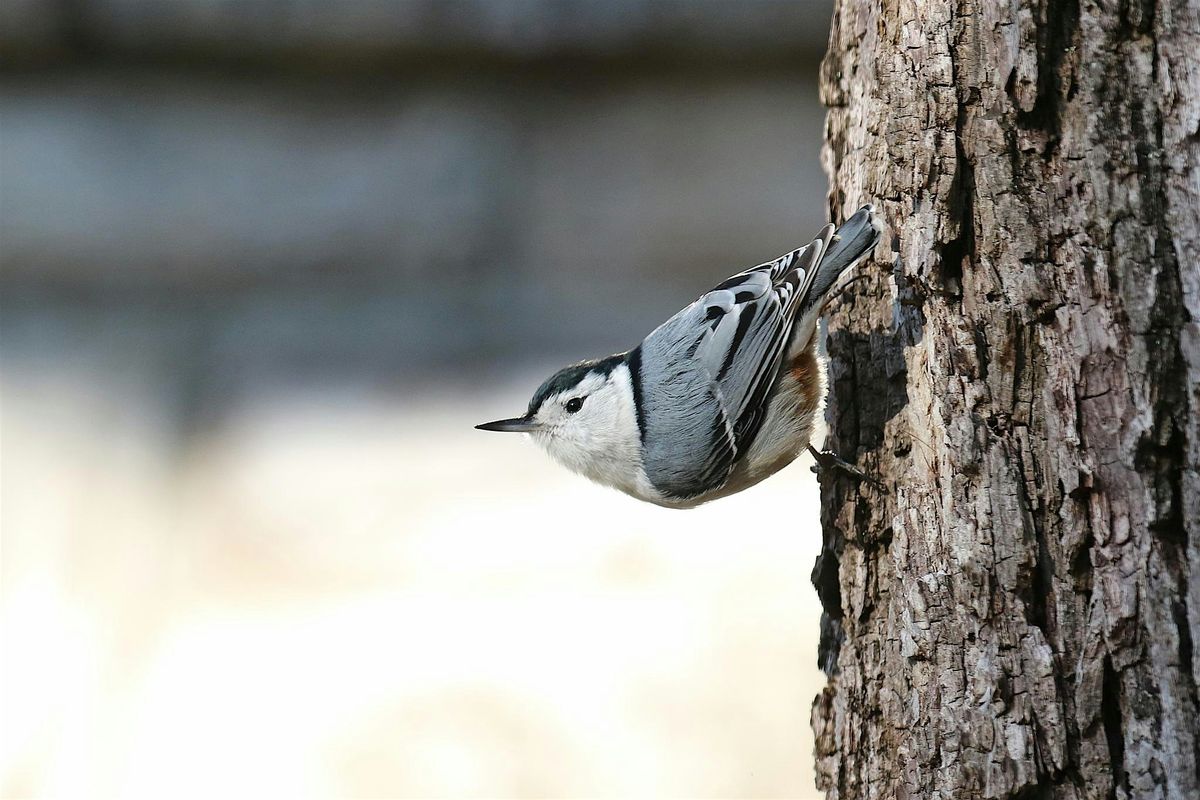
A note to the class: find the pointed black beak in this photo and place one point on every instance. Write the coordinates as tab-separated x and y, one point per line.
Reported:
514	425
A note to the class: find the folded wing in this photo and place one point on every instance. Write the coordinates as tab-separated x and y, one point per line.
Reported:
706	374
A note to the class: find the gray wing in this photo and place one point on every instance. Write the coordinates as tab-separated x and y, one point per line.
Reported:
704	377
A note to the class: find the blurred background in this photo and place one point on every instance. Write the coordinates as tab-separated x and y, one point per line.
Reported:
263	264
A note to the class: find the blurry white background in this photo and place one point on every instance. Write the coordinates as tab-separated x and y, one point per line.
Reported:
264	266
360	599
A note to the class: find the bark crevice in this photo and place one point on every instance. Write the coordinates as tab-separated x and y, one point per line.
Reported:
1114	728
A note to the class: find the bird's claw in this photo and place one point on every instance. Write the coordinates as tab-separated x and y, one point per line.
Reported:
827	460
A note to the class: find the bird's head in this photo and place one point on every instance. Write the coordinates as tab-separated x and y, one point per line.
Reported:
584	416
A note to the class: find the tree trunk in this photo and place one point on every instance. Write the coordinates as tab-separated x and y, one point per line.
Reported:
1013	614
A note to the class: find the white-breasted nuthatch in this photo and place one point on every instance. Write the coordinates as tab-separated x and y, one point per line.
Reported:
714	400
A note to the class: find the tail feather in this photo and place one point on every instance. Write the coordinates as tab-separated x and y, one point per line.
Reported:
851	243
853	240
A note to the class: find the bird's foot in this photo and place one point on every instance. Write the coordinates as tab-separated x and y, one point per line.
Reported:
827	460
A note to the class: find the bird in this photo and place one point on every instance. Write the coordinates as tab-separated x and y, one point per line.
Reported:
719	397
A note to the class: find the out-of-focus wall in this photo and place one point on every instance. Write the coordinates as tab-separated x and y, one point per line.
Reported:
262	265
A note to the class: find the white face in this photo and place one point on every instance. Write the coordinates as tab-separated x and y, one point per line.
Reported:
591	428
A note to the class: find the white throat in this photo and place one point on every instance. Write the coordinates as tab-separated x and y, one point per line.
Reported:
608	450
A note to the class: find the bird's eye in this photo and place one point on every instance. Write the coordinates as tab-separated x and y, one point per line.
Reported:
574	404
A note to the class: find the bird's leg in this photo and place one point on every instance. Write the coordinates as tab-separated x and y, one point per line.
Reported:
827	460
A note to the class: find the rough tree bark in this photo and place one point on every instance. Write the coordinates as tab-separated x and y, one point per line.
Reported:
1014	615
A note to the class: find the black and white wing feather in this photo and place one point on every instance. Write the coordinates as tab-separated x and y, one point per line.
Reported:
750	320
705	375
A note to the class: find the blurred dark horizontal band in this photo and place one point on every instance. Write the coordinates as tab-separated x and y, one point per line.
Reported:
381	187
361	34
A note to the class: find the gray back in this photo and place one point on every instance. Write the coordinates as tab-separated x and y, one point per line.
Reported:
704	376
703	379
